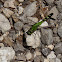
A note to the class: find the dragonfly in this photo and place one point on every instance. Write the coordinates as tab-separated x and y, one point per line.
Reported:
36	25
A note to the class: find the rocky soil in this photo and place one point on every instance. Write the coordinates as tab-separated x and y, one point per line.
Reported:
16	18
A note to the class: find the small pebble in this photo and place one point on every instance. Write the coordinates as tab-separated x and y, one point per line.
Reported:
50	47
7	12
46	60
58	60
46	36
38	59
36	53
21	0
21	57
51	55
18	25
45	51
56	39
55	30
9	3
4	23
1	45
58	48
20	10
28	55
34	19
60	31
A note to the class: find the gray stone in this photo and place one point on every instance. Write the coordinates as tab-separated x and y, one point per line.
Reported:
38	59
7	12
20	11
59	5
12	34
59	16
58	60
56	39
59	56
52	23
51	55
6	54
55	30
52	60
21	57
1	4
4	23
58	48
46	51
28	55
26	27
19	47
30	9
46	36
29	20
18	25
60	31
32	20
49	1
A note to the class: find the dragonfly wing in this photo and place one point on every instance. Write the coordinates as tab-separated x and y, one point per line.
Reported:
44	24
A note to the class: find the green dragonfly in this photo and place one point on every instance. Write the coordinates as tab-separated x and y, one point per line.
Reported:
36	25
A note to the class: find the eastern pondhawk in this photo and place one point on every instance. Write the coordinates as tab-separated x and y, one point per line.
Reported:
36	25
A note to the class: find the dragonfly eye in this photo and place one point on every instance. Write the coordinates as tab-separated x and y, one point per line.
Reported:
51	14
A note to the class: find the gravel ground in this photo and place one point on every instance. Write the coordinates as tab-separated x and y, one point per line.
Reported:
17	17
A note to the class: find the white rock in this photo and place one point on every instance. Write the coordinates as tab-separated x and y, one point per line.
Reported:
50	47
20	0
58	60
44	24
9	3
4	23
54	11
30	9
7	12
6	54
20	10
46	60
54	60
34	39
28	55
51	55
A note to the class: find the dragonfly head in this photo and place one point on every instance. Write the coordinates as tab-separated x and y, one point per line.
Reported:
50	16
